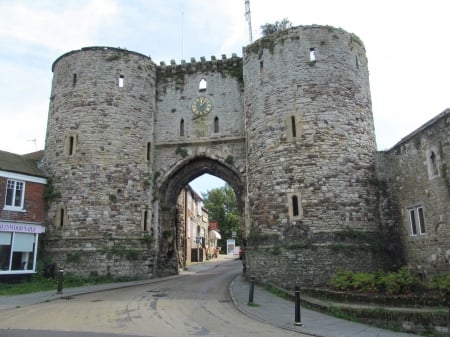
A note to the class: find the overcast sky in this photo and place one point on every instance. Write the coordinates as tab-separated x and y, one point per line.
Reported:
407	44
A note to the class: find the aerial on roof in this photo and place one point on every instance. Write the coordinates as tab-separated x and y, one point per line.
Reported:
25	164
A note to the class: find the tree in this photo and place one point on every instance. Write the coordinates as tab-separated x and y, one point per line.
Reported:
222	207
270	28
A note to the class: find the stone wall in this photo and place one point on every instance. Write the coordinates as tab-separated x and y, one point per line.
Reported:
99	129
415	175
311	143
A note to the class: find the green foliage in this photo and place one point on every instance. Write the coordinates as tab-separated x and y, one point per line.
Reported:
394	283
113	57
112	198
270	28
39	283
400	282
181	151
229	160
222	207
441	283
49	193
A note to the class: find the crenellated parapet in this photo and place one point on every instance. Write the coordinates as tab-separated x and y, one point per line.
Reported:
232	65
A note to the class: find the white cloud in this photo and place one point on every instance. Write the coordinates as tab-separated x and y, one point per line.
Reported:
60	28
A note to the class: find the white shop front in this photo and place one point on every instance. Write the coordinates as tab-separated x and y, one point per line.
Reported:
18	247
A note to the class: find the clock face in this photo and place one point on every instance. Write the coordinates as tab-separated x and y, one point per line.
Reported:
201	106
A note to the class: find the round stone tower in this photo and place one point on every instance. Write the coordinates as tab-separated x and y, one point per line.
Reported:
311	156
98	155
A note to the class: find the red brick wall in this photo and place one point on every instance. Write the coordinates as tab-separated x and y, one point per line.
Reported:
34	203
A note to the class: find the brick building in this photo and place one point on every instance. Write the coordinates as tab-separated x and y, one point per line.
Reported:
22	212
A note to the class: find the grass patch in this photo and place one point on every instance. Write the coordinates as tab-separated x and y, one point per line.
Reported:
253	305
38	283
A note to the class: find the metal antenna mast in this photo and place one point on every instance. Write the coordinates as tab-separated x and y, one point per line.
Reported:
248	17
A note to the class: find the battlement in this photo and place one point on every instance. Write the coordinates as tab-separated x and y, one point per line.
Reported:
115	50
213	65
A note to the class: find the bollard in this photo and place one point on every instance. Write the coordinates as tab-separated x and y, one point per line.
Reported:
298	320
252	290
60	281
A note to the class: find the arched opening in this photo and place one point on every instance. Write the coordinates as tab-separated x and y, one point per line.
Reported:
181	238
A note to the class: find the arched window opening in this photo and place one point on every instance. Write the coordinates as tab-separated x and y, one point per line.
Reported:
182	128
434	167
121	81
216	124
202	85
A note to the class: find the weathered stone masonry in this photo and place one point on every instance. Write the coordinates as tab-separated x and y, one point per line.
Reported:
290	129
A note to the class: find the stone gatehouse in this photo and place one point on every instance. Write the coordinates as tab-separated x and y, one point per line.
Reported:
289	126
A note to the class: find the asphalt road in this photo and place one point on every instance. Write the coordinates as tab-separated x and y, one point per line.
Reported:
196	304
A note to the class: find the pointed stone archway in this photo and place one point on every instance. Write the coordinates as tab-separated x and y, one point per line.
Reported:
170	188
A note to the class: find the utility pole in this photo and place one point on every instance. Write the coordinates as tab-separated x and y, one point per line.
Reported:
248	17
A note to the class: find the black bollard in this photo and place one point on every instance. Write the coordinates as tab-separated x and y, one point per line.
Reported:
298	320
60	281
252	290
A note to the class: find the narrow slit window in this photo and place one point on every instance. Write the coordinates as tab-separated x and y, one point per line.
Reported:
71	145
182	128
216	124
434	168
202	85
357	62
312	54
145	222
61	217
148	152
121	81
74	80
261	65
293	128
295	208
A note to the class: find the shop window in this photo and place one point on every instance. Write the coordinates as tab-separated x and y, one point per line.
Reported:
5	250
417	220
15	192
17	251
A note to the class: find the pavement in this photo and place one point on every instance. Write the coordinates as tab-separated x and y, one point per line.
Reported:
267	308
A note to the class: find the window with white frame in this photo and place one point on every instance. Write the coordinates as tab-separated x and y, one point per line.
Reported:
15	192
416	220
